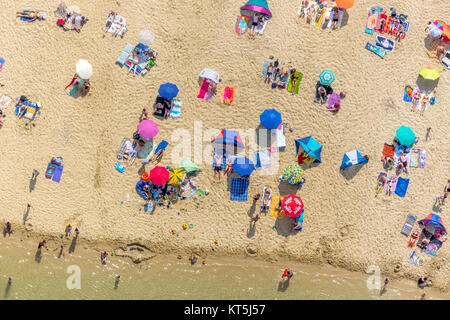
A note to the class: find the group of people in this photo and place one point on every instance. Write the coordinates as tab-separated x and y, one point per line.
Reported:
69	20
282	76
109	21
308	9
257	20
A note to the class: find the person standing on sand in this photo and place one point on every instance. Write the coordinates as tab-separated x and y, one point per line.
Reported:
383	289
77	232
287	274
255	218
41	244
103	257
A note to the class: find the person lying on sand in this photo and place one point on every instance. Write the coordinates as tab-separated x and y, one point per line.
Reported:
269	73
415	234
400	32
440	51
109	22
402	164
120	30
387	163
294	80
310	12
266	198
32	15
389	185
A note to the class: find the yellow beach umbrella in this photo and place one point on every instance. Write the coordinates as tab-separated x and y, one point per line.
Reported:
429	73
176	175
293	174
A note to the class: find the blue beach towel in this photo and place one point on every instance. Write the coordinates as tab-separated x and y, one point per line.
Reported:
57	174
378	51
384	43
402	186
239	189
161	146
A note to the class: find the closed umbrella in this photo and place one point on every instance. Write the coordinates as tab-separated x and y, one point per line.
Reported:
344	4
168	90
270	118
146	37
176	175
326	77
292	205
84	69
243	166
429	73
159	175
147	129
405	136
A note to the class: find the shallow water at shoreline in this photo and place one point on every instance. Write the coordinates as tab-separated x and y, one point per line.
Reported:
166	277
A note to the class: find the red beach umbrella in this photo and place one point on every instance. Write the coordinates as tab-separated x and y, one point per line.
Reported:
159	175
292	205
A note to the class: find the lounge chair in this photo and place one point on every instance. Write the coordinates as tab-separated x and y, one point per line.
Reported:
446	60
124	54
264	197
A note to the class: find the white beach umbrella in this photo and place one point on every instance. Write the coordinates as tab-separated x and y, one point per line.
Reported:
146	37
74	9
84	69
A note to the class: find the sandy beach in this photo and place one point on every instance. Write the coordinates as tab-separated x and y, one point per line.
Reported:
353	228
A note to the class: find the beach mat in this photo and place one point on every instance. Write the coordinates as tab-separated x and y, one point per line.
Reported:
299	79
228	95
384	43
242	24
409	224
414	158
57	173
239	189
175	110
276	214
402	186
394	183
422	158
378	51
382	174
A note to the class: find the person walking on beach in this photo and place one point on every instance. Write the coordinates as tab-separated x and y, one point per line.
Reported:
383	289
116	283
77	232
8	227
103	257
41	244
287	274
429	132
9	281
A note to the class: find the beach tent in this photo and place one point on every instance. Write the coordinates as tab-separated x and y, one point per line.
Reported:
293	174
147	129
210	74
159	176
253	6
243	166
292	205
435	221
310	146
405	136
270	118
229	141
188	165
352	158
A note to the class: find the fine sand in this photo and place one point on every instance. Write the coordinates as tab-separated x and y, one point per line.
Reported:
353	228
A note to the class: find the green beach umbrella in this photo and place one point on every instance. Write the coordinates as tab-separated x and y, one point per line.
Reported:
405	136
188	165
293	174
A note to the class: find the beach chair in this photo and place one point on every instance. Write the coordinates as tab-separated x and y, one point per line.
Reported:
266	197
126	51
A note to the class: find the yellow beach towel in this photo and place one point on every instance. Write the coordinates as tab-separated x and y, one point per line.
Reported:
274	213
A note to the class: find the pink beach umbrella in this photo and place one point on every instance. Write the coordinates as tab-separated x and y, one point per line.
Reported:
147	129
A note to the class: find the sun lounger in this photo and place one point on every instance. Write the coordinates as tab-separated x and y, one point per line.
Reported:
385	43
239	189
409	224
124	54
281	138
262	159
175	110
242	24
203	89
402	186
265	208
378	51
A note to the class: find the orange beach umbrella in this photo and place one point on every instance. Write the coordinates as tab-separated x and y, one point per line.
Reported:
345	4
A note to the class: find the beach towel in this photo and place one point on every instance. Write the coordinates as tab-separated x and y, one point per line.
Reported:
264	69
414	259
274	213
280	138
402	186
71	89
228	95
175	110
284	79
320	19
398	151
119	23
372	22
242	24
146	150
378	51
388	151
407	94
433	246
409	224
415	158
238	189
126	51
262	159
315	6
2	63
203	89
432	49
394	183
299	79
260	29
381	16
57	173
422	158
385	43
161	146
264	197
382	175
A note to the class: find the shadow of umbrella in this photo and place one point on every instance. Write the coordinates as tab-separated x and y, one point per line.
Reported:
345	18
426	84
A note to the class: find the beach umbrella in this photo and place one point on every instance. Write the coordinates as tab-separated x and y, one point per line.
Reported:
293	174
168	90
436	29
243	166
326	77
344	4
292	205
405	136
159	175
176	175
435	221
270	118
228	141
188	165
429	73
147	129
253	6
146	37
84	69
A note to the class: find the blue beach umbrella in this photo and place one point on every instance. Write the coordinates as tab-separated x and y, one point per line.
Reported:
270	118
326	77
243	166
168	90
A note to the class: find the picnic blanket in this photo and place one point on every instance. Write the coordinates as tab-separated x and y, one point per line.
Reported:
433	247
175	110
402	186
239	189
409	223
274	213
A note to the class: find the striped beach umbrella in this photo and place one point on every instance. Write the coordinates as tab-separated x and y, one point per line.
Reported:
293	174
292	205
326	77
176	175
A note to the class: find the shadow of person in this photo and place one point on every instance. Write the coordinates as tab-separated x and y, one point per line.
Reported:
252	209
283	285
251	230
141	170
7	289
116	284
25	215
38	256
73	244
383	290
32	184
